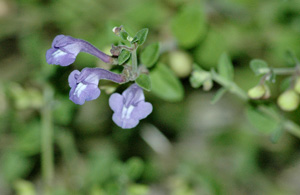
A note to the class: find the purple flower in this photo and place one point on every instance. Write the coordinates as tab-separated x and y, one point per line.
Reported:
65	49
130	107
84	84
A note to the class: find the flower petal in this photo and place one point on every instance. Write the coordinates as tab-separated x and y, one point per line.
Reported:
116	102
142	110
124	123
72	78
84	92
59	57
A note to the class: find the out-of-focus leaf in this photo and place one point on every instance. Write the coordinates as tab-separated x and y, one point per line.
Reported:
209	51
144	82
225	67
28	139
189	25
261	121
23	187
285	84
219	94
63	111
135	168
140	36
165	84
276	135
150	55
123	57
14	165
259	66
138	189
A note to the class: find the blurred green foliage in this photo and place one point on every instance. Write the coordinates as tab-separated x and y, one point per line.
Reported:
204	149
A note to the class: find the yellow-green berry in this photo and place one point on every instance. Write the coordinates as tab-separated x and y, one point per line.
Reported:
257	92
288	100
181	63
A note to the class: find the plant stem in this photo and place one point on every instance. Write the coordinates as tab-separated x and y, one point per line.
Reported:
288	125
134	61
47	142
292	127
278	71
231	86
284	71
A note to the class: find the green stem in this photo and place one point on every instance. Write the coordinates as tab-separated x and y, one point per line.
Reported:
47	141
289	125
134	61
292	127
278	71
231	86
284	71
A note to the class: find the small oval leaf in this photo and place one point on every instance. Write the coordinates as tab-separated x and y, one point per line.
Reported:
259	66
140	36
165	84
261	121
189	25
218	95
225	67
124	35
150	54
123	57
144	82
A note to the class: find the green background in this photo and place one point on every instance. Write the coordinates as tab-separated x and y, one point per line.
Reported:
186	146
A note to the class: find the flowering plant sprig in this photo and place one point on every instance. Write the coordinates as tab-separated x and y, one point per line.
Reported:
267	118
130	107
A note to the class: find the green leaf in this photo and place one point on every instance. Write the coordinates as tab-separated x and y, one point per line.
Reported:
259	66
165	84
123	57
189	26
150	55
135	168
124	35
276	135
144	82
14	166
218	95
225	67
140	36
261	121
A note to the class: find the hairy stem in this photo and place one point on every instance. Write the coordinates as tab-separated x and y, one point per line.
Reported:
231	86
134	61
284	71
288	125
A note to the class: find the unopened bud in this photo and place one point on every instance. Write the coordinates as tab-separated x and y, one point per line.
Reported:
288	100
181	63
259	92
198	78
115	50
117	30
297	85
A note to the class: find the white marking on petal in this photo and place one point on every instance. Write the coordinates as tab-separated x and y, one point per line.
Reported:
126	112
92	78
58	53
79	88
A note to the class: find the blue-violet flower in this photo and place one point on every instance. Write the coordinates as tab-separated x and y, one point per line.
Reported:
84	84
65	49
130	107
